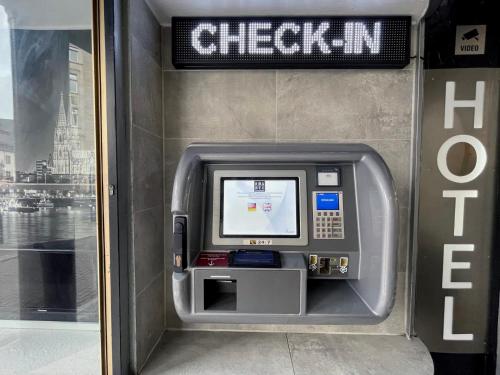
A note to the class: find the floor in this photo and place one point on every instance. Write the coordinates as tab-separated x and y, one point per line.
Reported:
242	353
49	350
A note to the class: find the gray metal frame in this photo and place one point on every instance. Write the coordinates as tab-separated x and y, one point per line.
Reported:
364	299
349	244
292	263
119	177
411	265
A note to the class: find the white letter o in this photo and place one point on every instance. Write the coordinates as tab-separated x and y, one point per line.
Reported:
481	158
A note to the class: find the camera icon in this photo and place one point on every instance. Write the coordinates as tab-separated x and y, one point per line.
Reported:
473	34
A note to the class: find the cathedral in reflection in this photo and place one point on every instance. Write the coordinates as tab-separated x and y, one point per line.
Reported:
73	153
68	157
72	159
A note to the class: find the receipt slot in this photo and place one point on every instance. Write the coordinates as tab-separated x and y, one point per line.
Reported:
284	234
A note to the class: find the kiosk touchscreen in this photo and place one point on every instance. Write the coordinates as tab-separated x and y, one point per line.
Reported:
259	207
284	233
256	204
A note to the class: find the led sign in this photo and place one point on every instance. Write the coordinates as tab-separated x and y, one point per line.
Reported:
297	42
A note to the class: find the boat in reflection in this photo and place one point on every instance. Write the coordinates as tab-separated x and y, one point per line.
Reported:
45	203
21	205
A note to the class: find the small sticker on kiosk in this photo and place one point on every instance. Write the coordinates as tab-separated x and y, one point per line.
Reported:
328	178
256	242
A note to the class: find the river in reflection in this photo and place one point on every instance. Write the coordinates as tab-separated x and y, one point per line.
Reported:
22	230
48	264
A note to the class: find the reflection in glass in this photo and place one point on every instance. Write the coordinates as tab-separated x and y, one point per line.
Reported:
48	175
48	245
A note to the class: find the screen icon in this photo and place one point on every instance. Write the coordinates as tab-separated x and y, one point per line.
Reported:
267	207
474	33
259	186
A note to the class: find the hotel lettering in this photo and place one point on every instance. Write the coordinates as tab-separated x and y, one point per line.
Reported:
462	198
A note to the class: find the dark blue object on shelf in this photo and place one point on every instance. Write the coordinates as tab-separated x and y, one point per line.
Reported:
255	259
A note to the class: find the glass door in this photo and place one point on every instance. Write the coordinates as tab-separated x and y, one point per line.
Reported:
49	215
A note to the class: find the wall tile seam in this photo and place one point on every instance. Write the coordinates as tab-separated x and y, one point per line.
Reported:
263	71
331	70
149	53
140	127
286	140
132	326
152	15
166	209
137	293
142	210
131	265
148	285
137	124
282	330
210	140
147	13
132	298
153	348
296	140
152	59
132	304
407	68
159	332
343	140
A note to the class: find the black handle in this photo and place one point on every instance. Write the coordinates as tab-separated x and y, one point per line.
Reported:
180	243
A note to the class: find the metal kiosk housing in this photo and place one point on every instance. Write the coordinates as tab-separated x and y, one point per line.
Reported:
296	293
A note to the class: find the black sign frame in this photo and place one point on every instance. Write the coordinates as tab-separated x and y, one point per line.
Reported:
181	43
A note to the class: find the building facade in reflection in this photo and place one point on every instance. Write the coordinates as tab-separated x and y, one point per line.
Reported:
73	153
7	151
48	244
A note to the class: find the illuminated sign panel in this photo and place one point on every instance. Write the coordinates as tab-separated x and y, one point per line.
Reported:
297	42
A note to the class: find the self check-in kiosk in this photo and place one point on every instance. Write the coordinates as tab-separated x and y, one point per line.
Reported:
328	212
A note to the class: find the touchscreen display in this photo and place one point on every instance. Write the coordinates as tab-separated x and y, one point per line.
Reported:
255	207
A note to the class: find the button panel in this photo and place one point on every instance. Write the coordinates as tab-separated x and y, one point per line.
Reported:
328	223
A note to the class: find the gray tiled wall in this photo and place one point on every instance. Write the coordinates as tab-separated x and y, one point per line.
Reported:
147	287
368	106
